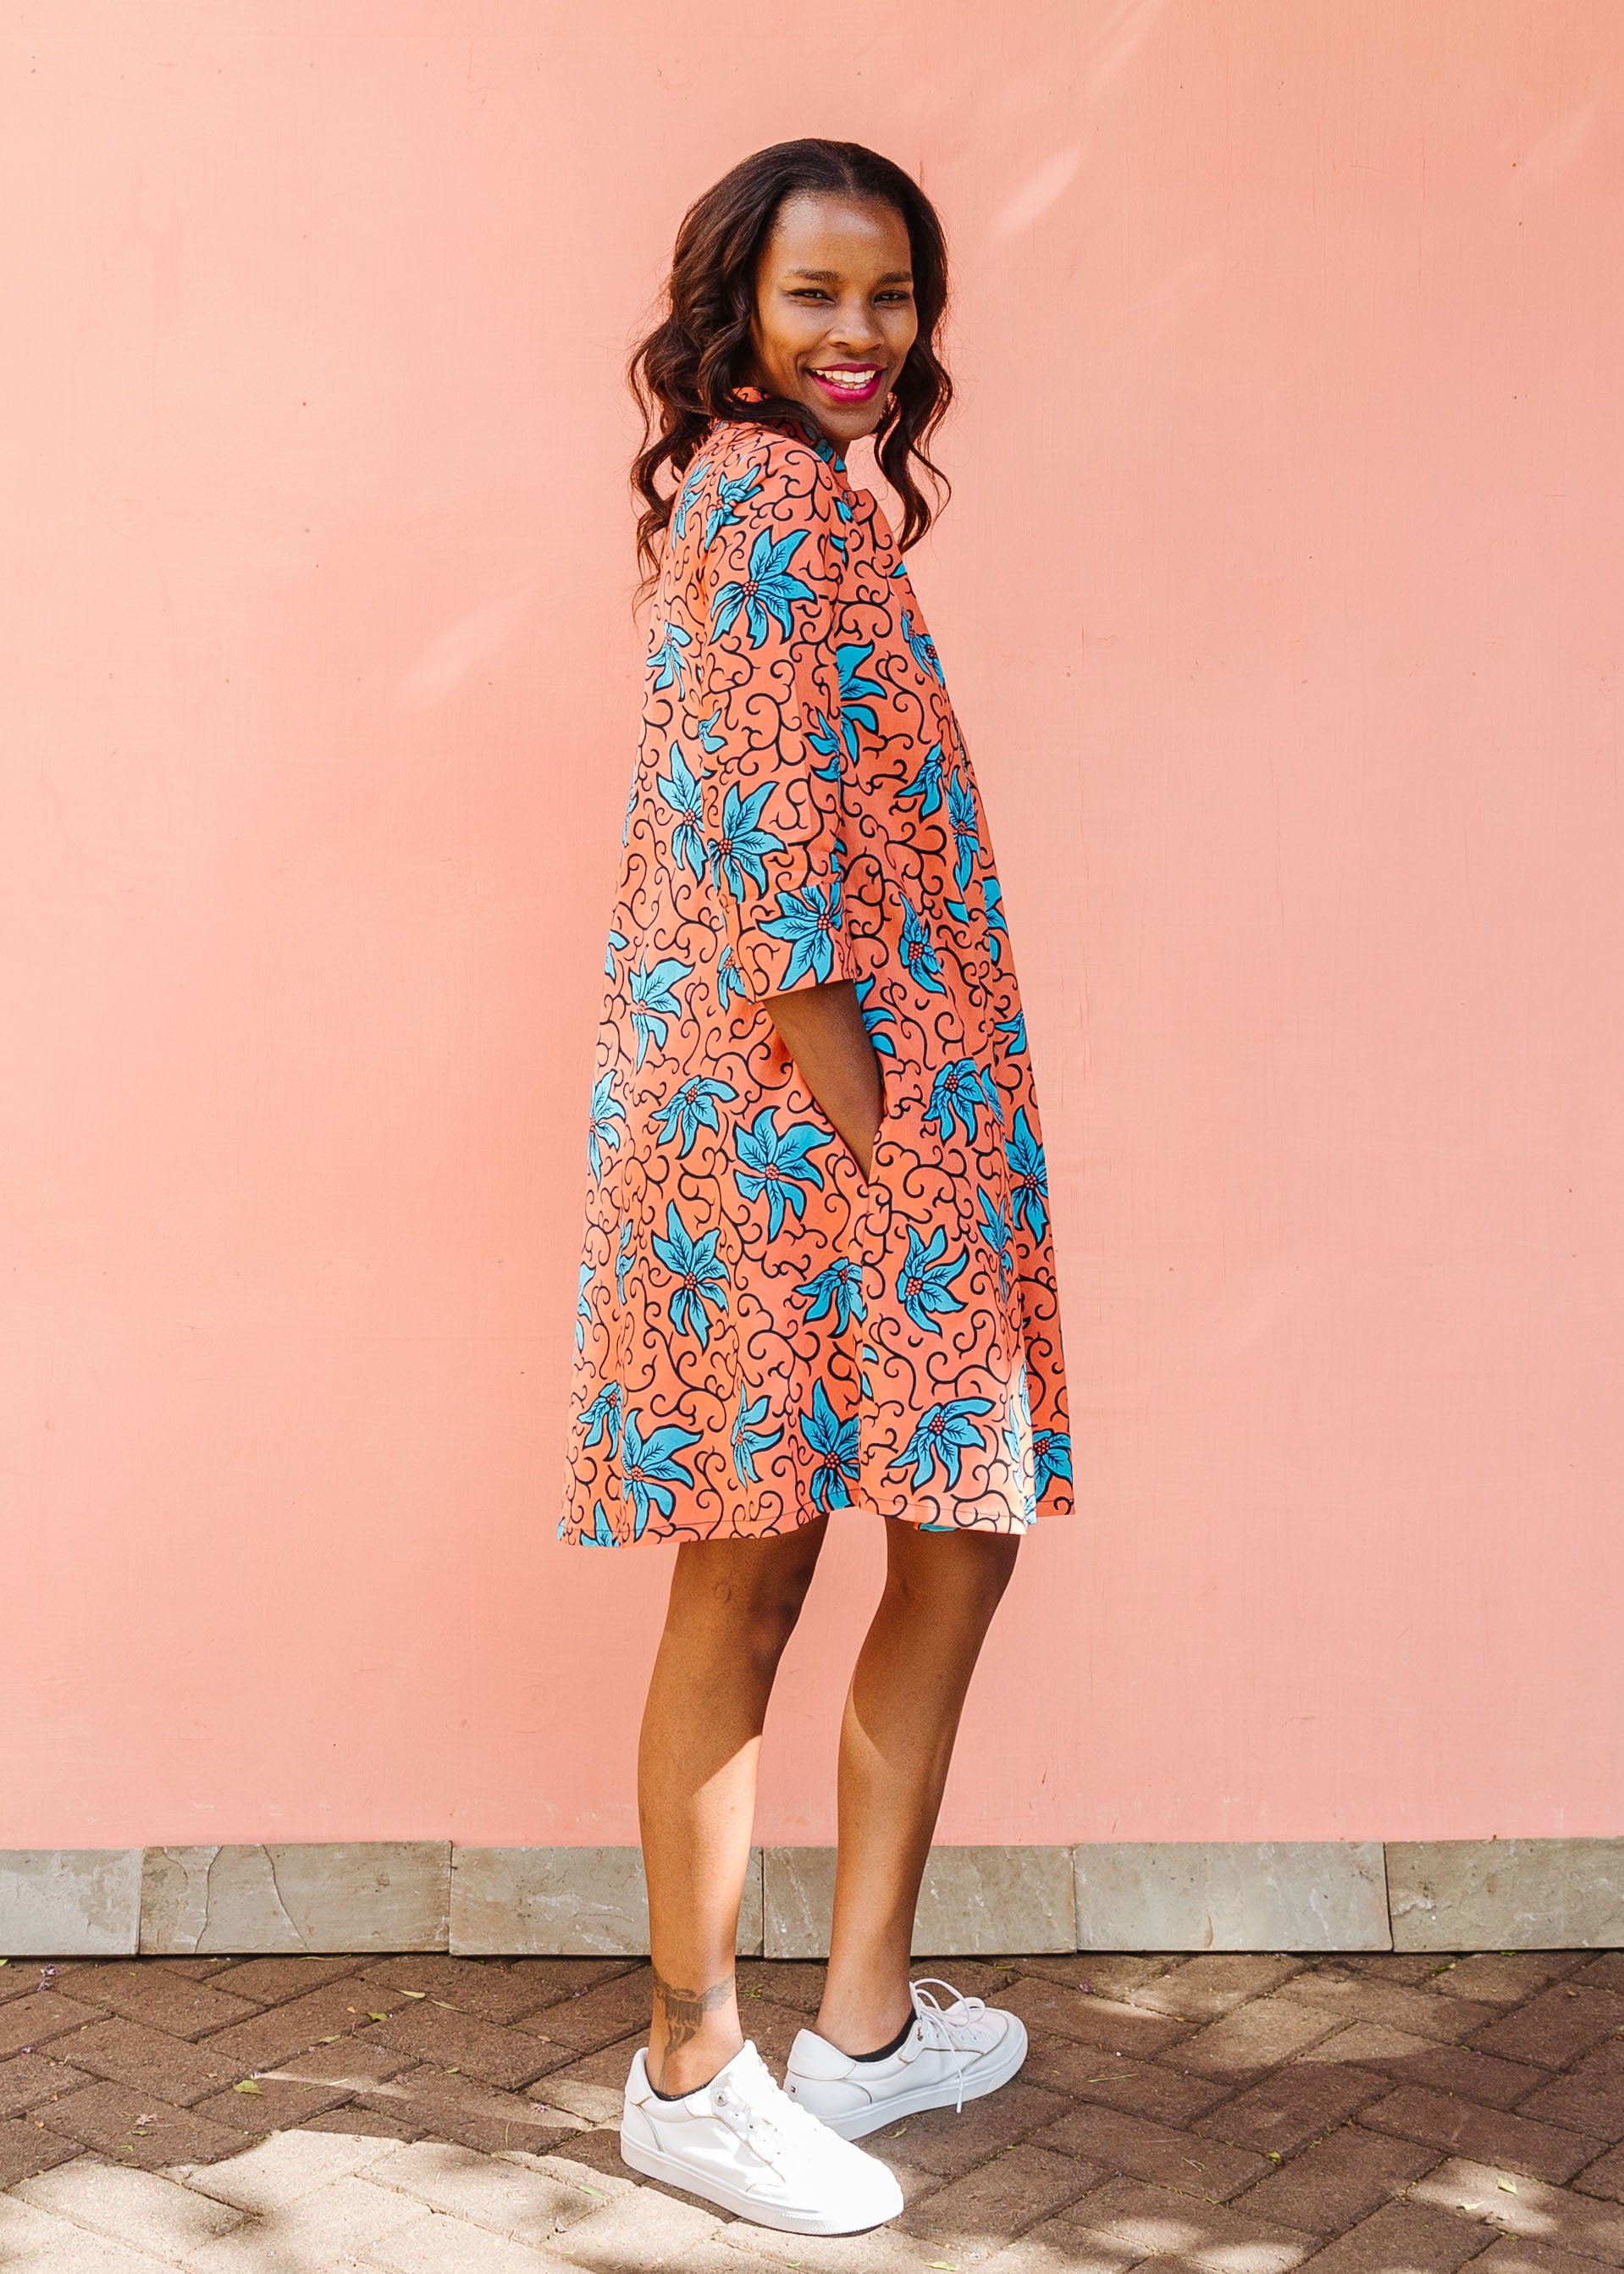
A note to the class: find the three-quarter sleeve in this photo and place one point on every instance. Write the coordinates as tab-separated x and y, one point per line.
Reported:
771	696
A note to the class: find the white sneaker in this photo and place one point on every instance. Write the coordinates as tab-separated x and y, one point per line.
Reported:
740	2142
949	2055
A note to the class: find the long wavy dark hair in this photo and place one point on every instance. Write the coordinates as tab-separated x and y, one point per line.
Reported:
690	369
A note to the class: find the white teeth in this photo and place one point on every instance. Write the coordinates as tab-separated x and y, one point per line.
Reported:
854	381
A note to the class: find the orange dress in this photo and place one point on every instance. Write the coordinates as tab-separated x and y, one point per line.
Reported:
762	1336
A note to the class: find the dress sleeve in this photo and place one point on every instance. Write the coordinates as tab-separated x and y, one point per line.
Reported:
771	685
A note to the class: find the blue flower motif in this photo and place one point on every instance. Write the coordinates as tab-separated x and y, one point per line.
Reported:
924	1284
943	1437
708	739
858	695
1028	1177
1016	1030
998	931
684	795
729	978
737	853
600	1535
624	1258
700	1279
687	497
606	1110
964	823
808	920
954	1095
874	1017
996	1231
748	1438
667	660
777	1165
652	1000
768	591
617	941
690	1108
730	494
919	957
838	1287
583	1309
649	1467
1051	1458
924	649
603	1418
927	783
835	1442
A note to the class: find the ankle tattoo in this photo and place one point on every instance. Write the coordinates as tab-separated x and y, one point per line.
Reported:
685	2010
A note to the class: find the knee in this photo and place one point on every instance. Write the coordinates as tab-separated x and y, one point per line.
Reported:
747	1605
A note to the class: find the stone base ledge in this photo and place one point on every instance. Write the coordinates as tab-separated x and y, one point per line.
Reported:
432	1894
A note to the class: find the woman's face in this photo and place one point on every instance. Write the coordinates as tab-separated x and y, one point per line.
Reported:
834	309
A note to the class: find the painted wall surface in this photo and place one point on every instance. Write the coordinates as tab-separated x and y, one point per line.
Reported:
1281	599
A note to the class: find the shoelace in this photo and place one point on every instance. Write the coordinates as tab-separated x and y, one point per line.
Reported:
936	2031
775	2122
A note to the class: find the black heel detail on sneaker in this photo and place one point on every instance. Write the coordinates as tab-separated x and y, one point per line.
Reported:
895	2047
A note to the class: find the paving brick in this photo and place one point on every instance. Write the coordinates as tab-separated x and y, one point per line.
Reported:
1557	2217
608	2010
273	2036
20	1977
1144	2150
1590	2098
1411	2059
948	2142
1604	2176
433	2244
42	2019
644	2228
1050	2006
34	2242
1154	2089
137	2127
28	2079
144	1989
150	2061
1338	2181
1512	2255
1059	2246
453	2040
1556	2026
136	2207
1603	1973
1487	2136
1202	1989
1292	2106
285	2167
361	2124
1503	1977
320	2230
1357	1998
1401	2238
1255	2039
988	2206
526	2204
1157	2223
1102	1973
594	2088
796	1982
474	2115
272	1981
275	2104
493	1989
1414	1968
28	2146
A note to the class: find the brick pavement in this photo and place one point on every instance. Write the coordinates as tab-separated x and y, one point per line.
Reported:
432	2115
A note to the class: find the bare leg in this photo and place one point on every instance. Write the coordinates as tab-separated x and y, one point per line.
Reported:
734	1606
896	1741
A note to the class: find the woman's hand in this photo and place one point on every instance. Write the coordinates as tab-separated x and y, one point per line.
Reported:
822	1028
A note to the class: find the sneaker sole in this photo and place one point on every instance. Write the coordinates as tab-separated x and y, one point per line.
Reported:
676	2174
861	2122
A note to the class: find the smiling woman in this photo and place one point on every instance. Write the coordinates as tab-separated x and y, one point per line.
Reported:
807	1284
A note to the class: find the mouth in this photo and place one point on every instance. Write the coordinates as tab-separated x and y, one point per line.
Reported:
849	382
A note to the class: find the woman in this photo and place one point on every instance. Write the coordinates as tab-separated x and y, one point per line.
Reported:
816	1272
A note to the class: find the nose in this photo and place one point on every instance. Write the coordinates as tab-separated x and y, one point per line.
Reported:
854	328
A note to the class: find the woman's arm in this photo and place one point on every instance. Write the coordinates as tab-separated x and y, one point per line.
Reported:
822	1028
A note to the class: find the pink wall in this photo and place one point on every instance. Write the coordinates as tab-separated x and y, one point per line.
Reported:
1280	599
